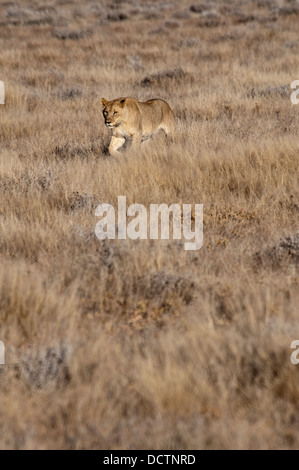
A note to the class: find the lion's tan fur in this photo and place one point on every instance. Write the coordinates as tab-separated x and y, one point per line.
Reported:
135	120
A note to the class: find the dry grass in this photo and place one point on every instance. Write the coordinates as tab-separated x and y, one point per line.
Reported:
140	344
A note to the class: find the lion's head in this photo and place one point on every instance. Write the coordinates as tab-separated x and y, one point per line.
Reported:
113	112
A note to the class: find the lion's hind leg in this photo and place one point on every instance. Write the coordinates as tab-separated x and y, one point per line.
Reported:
169	126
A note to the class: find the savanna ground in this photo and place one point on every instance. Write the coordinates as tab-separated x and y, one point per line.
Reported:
141	344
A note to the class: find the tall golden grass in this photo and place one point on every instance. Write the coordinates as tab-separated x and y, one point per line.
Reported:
140	344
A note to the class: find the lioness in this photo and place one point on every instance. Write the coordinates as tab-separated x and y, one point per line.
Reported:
132	119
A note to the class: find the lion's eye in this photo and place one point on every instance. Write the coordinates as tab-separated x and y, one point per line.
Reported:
115	112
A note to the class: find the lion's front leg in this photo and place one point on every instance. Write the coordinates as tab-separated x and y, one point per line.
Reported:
115	144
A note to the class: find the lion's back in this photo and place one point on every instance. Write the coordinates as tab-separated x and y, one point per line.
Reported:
155	114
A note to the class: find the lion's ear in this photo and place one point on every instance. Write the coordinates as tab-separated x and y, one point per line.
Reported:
104	102
122	101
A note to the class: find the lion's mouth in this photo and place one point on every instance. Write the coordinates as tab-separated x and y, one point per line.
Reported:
112	126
